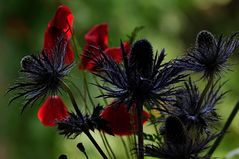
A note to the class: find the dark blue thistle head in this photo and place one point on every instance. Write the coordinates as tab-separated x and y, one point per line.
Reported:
210	55
196	114
140	78
41	74
178	143
141	58
73	126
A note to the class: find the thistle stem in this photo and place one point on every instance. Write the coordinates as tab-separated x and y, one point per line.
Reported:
207	87
73	101
139	107
122	140
226	126
95	144
86	131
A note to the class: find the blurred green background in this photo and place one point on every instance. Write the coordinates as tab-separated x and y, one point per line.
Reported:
170	24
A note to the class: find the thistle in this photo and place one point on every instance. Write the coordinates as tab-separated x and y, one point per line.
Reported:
179	143
141	79
193	115
41	75
210	55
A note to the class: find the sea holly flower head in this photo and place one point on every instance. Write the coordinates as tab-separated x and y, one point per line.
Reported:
194	114
210	55
42	74
178	142
140	78
74	125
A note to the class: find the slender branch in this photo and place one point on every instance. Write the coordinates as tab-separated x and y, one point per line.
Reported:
87	89
105	145
86	131
224	130
73	101
207	87
95	144
125	147
139	107
122	140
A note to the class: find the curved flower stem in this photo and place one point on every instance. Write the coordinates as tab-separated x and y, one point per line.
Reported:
226	126
81	95
87	109
73	101
87	89
122	140
103	137
95	144
125	147
139	107
207	87
105	145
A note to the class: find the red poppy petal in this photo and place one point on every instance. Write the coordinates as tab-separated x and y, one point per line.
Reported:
127	47
69	57
98	36
52	110
116	54
86	62
63	20
120	120
60	27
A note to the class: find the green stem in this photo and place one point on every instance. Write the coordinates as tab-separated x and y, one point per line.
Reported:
105	145
95	144
224	130
105	141
101	92
139	107
124	145
204	93
81	95
73	101
87	89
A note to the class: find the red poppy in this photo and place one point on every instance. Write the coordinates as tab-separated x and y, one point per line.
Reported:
52	110
120	119
98	37
60	27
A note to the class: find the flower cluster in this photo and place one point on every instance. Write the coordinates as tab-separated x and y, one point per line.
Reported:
42	74
139	81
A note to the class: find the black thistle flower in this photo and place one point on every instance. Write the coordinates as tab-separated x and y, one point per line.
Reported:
193	112
210	55
178	142
140	78
73	126
41	74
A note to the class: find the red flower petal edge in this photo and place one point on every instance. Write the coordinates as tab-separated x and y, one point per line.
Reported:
120	120
52	110
98	36
116	54
60	27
